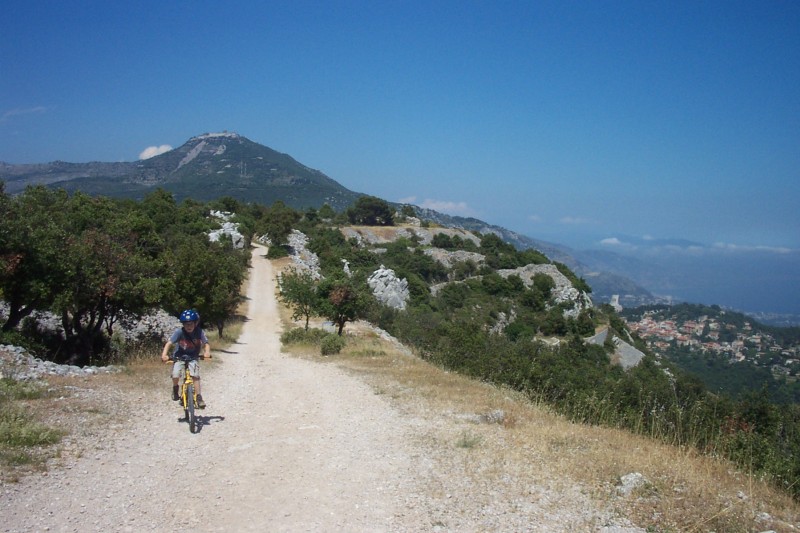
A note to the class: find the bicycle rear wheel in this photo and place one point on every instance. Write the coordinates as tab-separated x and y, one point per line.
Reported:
190	409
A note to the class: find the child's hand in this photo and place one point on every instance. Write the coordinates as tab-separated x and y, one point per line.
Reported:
164	357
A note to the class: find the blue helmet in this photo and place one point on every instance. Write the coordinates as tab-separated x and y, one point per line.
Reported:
190	315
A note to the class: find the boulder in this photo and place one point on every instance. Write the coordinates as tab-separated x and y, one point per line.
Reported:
388	288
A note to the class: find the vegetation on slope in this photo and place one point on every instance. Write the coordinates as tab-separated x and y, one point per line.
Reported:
92	260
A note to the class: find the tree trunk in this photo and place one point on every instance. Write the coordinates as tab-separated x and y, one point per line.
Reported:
15	316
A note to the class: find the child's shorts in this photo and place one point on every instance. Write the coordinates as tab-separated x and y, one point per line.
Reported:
178	366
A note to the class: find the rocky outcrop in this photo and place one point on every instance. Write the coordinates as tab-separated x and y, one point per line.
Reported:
303	259
624	355
373	235
16	363
449	258
388	288
229	229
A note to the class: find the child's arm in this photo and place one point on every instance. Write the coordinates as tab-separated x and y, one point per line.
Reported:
165	352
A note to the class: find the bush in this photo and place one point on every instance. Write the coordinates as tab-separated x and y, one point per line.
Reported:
277	252
332	344
311	336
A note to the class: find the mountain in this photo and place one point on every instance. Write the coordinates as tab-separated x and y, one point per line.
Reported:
213	165
204	168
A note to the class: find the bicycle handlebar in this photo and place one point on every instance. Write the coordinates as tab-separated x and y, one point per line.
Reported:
172	359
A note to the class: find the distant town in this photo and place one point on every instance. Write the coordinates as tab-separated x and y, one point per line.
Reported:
738	342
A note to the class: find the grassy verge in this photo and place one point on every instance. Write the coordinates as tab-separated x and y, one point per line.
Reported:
685	491
25	442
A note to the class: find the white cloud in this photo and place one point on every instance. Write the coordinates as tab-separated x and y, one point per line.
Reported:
611	241
8	115
451	208
728	247
534	218
574	220
152	151
408	200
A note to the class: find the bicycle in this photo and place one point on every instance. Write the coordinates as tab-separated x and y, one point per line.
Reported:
188	397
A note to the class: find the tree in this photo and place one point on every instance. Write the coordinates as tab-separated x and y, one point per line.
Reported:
326	212
342	301
278	222
161	208
108	264
371	211
224	269
298	290
206	276
31	249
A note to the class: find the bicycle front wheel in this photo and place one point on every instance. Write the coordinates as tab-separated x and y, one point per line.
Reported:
190	408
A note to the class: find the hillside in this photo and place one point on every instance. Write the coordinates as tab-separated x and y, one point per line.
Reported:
729	351
605	283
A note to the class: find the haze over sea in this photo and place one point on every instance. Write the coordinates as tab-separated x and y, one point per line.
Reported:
753	283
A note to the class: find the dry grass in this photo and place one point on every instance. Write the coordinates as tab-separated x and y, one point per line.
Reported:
492	433
685	491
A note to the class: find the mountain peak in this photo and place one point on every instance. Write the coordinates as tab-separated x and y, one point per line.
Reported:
223	134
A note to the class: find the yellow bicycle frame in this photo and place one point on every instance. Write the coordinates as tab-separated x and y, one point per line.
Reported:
187	380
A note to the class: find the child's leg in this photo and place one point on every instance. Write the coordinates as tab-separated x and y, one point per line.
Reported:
194	370
177	371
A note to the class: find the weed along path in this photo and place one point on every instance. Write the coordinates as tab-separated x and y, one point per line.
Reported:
290	444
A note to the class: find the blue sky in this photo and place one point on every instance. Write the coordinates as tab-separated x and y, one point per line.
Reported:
581	123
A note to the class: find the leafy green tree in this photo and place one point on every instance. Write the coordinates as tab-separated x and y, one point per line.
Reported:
554	323
108	264
442	240
499	254
206	276
341	300
464	269
311	216
533	257
161	208
371	211
584	325
326	212
226	203
298	289
31	246
279	222
226	268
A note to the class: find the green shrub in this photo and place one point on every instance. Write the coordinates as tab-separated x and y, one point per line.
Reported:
332	344
303	336
277	251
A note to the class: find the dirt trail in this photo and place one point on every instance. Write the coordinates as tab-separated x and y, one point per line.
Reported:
290	445
287	445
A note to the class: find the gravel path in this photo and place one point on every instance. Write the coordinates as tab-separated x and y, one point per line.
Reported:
287	445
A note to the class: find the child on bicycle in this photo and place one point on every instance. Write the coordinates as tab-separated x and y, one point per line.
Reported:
188	340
